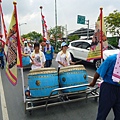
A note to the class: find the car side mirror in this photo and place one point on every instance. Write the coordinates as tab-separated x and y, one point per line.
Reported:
88	48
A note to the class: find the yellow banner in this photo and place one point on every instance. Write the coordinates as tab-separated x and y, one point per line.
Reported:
95	50
11	65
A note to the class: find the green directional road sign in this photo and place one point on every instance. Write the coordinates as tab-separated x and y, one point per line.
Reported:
80	19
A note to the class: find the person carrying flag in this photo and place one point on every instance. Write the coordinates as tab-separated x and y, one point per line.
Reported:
1	56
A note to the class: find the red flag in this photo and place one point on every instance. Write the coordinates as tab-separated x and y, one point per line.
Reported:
3	31
44	26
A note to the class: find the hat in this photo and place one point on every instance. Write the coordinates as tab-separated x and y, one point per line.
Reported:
47	41
25	42
63	44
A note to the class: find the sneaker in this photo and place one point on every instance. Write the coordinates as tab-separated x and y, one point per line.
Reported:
2	67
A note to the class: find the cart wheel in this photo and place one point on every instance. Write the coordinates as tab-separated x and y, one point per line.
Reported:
25	110
30	112
96	98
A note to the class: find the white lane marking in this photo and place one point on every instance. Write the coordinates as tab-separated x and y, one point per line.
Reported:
3	101
90	77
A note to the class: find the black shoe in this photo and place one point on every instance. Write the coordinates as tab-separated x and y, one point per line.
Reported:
2	67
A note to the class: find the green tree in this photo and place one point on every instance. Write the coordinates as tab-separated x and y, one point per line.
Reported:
33	36
112	22
56	33
59	33
73	37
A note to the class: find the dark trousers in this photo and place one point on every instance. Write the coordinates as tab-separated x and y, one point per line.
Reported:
109	98
2	61
59	76
48	63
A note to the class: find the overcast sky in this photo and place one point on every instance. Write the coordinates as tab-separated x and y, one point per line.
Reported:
67	11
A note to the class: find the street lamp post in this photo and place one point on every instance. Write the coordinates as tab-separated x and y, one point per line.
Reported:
20	24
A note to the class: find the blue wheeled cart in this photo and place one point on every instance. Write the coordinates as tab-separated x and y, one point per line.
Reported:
46	88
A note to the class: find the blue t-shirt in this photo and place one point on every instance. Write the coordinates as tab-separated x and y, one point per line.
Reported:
49	53
1	52
106	69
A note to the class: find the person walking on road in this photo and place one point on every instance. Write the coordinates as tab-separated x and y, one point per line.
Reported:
48	52
63	57
37	57
26	48
119	43
109	97
1	56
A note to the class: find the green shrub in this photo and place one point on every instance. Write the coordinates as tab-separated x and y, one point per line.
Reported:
113	41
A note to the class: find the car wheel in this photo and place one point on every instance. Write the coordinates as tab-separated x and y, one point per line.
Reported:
72	57
97	63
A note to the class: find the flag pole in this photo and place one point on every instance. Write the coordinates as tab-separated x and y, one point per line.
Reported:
2	18
23	84
19	50
101	20
1	22
42	22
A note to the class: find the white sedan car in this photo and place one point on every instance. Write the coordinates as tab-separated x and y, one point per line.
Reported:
79	49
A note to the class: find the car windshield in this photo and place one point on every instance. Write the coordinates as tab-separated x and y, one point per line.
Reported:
86	45
110	47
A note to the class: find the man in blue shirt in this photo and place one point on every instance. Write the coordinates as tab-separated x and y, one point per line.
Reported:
1	56
48	52
109	90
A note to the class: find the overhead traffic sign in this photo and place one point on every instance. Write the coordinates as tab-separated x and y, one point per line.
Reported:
80	19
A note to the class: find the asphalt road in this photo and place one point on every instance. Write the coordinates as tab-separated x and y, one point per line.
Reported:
71	111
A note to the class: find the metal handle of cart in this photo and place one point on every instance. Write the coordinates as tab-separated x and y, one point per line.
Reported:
63	88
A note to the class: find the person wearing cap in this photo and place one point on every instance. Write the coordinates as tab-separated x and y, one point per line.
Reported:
109	97
1	56
119	43
48	52
26	48
37	57
63	57
31	47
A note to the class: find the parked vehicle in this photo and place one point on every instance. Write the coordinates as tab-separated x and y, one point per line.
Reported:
79	49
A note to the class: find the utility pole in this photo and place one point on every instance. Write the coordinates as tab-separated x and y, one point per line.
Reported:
87	29
55	25
66	33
